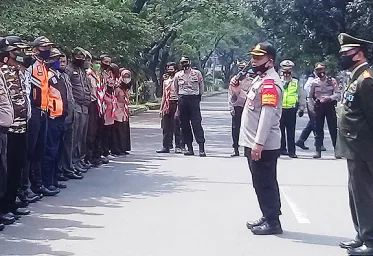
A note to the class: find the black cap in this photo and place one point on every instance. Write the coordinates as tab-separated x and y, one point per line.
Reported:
319	65
264	48
348	42
16	41
42	41
5	45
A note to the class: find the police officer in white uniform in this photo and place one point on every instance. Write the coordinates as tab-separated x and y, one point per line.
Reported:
260	135
190	86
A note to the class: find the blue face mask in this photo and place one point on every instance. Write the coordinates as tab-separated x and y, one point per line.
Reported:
55	65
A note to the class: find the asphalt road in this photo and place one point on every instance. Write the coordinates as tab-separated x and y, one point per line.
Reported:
166	205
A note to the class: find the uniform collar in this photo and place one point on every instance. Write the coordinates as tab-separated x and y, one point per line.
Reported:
354	74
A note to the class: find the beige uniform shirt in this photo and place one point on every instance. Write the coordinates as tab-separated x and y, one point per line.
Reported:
189	83
6	106
240	99
262	112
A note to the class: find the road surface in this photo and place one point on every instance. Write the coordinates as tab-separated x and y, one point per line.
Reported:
166	205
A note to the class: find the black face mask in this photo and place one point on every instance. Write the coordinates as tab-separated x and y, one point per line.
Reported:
125	86
287	74
45	55
105	66
78	62
262	68
321	74
346	62
185	65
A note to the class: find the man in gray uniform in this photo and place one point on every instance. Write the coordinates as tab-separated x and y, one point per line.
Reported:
82	98
261	136
323	97
189	85
355	141
237	102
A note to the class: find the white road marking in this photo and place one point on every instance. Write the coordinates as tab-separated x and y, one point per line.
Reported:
298	213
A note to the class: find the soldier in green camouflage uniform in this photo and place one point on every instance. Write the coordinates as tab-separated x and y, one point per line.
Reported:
17	135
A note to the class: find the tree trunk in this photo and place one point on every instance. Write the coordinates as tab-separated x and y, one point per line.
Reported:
139	5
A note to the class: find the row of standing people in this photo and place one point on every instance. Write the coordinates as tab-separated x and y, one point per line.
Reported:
57	119
260	134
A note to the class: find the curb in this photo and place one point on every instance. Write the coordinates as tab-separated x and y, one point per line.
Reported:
214	94
135	111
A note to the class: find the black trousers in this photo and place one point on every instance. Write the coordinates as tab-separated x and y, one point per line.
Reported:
94	133
108	136
287	125
120	138
360	188
16	157
56	130
3	163
66	160
190	114
37	139
236	126
325	110
264	176
171	127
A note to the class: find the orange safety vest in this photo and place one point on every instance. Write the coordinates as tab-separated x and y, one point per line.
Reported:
39	85
55	105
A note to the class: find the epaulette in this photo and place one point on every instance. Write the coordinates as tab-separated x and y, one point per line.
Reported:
366	74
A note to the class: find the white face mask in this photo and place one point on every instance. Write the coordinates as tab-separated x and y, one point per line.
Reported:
126	80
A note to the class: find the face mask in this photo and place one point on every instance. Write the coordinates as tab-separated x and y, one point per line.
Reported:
78	62
27	61
321	74
346	62
126	85
287	74
262	68
54	65
126	80
45	55
105	66
96	67
171	72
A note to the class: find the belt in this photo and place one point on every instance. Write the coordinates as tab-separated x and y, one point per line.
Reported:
4	129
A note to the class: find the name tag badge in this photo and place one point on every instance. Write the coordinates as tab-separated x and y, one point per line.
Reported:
250	105
251	95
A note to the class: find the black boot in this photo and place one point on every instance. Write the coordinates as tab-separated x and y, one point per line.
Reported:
236	152
202	152
190	151
317	154
163	151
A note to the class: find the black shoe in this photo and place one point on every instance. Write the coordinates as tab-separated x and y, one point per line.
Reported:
178	151
235	153
337	157
6	219
126	153
74	176
79	168
350	244
85	165
16	217
293	155
189	153
61	185
21	211
163	151
21	204
317	155
2	226
104	160
363	250
301	145
323	148
62	178
284	152
256	223
49	191
202	153
96	163
268	229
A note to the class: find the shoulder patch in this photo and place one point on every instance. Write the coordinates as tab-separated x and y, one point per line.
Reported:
269	93
366	74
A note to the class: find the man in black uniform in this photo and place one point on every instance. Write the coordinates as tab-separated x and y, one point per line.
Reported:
355	141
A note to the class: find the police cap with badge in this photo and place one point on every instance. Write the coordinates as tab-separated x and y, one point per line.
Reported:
264	48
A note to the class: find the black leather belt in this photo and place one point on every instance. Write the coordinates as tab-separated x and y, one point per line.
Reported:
4	129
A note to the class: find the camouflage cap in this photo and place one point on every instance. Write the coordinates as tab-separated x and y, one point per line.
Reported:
42	41
79	53
56	53
5	45
16	41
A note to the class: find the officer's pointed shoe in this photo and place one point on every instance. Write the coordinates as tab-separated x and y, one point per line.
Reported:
317	155
293	155
301	145
363	250
350	244
236	153
21	211
74	176
268	228
202	152
163	151
251	224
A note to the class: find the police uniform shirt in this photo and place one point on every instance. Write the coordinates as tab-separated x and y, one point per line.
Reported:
262	112
327	88
189	83
240	99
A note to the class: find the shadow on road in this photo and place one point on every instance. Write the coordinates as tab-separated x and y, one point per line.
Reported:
306	238
138	176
